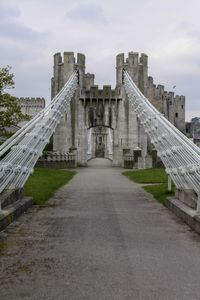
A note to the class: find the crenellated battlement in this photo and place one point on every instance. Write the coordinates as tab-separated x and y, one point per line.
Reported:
133	59
29	100
69	58
64	66
170	105
104	94
89	80
136	65
30	105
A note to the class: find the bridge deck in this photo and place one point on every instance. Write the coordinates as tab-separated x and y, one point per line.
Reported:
101	237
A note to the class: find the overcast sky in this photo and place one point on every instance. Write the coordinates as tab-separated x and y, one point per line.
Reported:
31	31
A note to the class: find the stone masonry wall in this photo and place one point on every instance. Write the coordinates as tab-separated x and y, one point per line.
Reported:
31	106
171	106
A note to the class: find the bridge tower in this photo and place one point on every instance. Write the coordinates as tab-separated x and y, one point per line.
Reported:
70	135
133	139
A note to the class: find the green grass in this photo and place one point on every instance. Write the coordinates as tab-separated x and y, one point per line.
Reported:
44	182
159	191
147	175
156	176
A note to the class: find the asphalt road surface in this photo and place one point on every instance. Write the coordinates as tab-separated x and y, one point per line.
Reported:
101	237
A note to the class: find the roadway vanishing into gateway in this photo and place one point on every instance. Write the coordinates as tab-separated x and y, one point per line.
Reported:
100	237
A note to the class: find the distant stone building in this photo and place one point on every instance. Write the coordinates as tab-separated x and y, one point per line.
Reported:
100	122
31	106
193	130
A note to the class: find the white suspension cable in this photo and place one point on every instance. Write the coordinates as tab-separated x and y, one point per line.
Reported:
26	146
180	156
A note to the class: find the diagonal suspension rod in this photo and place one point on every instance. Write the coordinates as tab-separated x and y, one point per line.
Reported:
26	146
180	156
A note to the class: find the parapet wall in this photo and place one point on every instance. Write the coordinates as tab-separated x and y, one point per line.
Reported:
31	106
32	100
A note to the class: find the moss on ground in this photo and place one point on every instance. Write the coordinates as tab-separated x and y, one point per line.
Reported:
3	245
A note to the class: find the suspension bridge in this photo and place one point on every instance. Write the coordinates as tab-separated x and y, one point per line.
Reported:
180	156
102	236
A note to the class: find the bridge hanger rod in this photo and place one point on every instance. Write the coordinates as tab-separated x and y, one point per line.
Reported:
180	156
28	126
17	165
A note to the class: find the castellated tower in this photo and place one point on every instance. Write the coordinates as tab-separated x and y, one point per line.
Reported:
133	139
71	133
99	122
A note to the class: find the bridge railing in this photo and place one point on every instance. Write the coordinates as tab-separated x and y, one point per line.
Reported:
21	152
180	156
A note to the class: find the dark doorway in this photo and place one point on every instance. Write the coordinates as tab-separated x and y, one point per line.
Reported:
99	147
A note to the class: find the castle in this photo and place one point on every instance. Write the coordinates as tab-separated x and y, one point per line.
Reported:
100	122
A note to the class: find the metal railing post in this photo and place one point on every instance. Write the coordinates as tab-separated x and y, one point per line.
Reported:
169	187
198	203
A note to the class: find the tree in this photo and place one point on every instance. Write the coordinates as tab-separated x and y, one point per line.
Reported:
10	111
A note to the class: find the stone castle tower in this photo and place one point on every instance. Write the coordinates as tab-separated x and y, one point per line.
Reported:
99	122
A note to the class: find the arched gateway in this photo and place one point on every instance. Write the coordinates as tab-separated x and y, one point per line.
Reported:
100	123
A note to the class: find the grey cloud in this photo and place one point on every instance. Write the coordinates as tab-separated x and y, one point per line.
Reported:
40	81
12	27
7	12
188	29
183	26
20	54
195	34
17	30
87	12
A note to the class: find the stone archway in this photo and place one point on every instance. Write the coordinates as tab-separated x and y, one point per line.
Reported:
100	142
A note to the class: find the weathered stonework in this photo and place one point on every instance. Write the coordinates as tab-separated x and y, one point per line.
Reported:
100	123
171	106
31	106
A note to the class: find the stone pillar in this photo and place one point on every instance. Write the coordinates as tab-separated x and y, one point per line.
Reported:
119	68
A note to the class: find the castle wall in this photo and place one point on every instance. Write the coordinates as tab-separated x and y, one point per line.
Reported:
31	106
171	106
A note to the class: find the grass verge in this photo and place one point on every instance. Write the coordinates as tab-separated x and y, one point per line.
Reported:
156	176
44	182
147	175
159	191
